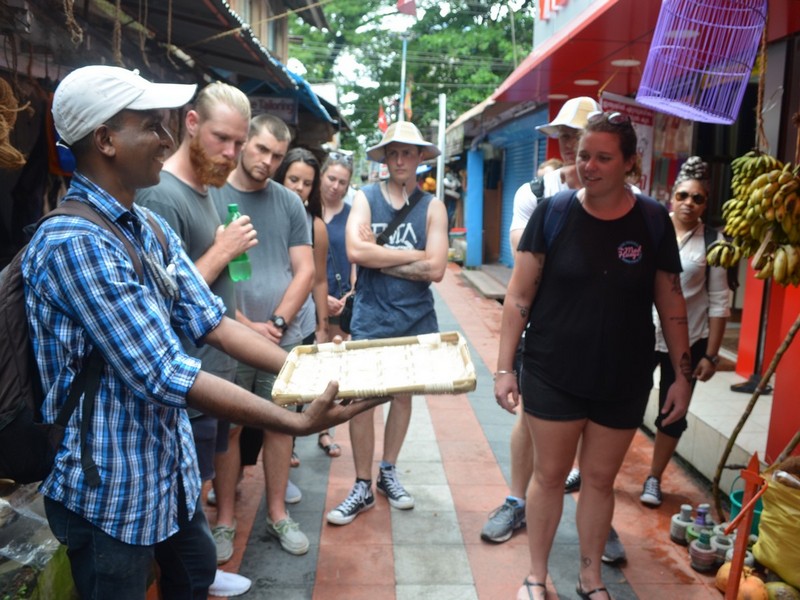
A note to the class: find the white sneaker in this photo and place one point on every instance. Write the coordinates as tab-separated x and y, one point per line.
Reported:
293	494
229	584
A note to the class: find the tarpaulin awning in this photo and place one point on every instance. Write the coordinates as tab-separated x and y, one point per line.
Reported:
217	40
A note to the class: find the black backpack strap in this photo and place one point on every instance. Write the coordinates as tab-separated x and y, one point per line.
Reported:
709	237
86	384
556	215
537	187
415	197
654	216
93	369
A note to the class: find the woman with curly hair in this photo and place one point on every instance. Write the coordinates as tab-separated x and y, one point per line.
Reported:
707	304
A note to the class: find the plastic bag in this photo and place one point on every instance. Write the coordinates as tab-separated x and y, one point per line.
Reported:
778	545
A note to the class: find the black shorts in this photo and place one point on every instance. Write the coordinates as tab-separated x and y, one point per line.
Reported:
210	437
543	401
698	351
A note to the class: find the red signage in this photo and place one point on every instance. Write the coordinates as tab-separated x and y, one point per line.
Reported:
547	8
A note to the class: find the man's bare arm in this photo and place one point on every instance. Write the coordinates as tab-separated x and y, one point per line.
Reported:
432	267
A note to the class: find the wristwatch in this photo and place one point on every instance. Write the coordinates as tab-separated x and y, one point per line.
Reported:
279	322
714	360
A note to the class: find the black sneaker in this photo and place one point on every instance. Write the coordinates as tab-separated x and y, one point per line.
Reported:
360	499
390	486
572	482
651	492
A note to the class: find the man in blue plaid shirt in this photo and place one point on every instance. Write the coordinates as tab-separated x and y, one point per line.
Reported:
81	292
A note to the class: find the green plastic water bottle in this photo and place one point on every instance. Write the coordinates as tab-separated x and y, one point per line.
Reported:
239	268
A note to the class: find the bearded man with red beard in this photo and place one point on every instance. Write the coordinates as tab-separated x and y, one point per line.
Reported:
215	130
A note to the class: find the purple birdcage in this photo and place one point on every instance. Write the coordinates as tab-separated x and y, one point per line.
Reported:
701	58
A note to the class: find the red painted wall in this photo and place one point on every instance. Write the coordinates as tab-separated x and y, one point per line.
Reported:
784	308
785	419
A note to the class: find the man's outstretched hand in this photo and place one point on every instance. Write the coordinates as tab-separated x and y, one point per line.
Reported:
326	412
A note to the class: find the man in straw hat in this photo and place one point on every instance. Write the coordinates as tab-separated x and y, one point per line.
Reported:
138	499
393	296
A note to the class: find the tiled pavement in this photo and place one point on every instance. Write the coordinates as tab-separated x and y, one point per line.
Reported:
456	463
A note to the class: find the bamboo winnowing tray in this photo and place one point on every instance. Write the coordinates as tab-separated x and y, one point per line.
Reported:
434	363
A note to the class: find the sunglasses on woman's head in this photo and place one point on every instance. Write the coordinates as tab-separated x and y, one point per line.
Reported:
697	198
615	118
342	157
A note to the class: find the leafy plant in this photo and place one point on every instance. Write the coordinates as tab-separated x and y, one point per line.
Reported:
462	49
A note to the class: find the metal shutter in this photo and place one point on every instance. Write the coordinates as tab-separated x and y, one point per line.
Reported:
517	169
524	149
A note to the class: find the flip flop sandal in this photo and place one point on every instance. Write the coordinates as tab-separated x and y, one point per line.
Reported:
588	595
333	449
294	462
529	585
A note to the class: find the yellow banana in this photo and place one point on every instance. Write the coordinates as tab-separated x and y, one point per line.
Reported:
780	213
779	266
792	258
791	186
765	272
712	256
786	222
737	254
725	256
743	229
789	202
759	182
757	229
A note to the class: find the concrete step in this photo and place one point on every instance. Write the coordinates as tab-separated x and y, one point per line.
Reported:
488	286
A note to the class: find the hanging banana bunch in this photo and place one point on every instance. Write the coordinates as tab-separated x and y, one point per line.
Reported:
762	218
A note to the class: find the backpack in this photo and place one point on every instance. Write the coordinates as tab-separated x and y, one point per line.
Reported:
28	446
537	187
556	216
710	236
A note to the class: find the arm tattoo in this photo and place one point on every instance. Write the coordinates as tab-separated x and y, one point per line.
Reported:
416	271
675	283
523	311
686	366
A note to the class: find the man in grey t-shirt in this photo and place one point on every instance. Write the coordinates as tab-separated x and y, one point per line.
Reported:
273	300
216	129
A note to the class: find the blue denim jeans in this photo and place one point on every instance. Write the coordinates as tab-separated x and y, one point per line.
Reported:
104	567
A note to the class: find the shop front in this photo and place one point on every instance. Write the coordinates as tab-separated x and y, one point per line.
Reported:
599	49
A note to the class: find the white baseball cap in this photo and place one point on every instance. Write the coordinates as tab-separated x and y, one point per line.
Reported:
575	113
89	96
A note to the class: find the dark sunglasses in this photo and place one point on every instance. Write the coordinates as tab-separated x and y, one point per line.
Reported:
698	199
615	118
341	157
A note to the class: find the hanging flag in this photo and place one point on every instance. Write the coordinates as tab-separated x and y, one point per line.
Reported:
383	124
408	7
407	102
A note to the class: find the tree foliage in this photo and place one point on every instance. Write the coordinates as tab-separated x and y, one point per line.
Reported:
462	49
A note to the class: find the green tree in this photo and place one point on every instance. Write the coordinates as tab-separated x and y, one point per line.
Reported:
462	49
